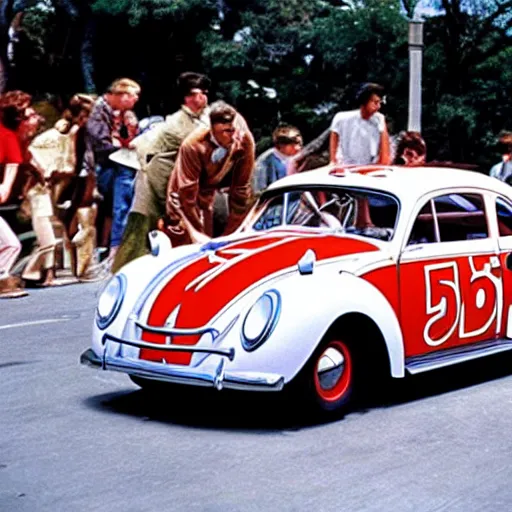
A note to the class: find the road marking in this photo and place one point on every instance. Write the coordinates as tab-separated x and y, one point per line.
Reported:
36	322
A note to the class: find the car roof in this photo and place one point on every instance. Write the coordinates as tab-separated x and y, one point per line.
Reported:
410	182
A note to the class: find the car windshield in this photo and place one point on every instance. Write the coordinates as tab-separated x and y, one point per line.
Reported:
357	211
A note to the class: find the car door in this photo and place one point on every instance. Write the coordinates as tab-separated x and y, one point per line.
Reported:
503	216
449	275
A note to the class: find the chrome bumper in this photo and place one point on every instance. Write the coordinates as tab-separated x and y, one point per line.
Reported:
246	381
226	352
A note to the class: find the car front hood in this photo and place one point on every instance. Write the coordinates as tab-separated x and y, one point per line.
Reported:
223	271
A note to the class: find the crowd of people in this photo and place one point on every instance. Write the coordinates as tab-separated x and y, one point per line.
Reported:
96	183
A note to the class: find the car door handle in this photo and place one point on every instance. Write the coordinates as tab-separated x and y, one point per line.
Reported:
415	247
495	262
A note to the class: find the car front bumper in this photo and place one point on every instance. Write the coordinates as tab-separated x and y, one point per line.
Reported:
219	378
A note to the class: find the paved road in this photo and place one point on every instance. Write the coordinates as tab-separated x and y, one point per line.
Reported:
75	439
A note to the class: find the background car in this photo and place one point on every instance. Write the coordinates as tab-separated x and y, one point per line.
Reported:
337	279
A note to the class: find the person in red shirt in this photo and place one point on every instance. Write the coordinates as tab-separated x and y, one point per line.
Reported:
13	109
127	128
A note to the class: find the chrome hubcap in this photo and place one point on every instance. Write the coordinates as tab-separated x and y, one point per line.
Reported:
330	368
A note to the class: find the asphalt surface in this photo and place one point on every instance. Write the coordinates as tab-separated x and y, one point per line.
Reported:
76	439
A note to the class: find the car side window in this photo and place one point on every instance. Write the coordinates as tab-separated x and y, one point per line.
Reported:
272	215
461	217
504	215
423	230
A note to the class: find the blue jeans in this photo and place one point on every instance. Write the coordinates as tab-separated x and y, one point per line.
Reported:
115	183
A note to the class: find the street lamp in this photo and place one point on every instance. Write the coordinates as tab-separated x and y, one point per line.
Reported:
415	65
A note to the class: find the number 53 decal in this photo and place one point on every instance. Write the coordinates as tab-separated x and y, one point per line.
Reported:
461	298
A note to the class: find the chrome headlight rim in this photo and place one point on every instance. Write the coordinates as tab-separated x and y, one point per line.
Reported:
103	321
252	343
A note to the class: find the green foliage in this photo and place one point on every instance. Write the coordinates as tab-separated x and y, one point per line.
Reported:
222	54
114	7
37	27
34	46
300	61
139	12
312	53
467	74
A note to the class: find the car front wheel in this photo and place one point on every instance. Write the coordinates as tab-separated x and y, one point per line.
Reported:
333	375
326	384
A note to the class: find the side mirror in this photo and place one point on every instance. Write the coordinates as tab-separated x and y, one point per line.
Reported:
159	242
306	264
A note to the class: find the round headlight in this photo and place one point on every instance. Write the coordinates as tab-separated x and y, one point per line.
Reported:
110	301
261	320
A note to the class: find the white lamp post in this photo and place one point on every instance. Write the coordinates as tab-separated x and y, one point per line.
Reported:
415	66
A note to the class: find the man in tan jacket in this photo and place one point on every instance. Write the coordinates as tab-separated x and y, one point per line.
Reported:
217	158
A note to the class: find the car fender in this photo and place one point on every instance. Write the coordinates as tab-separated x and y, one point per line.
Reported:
310	304
142	274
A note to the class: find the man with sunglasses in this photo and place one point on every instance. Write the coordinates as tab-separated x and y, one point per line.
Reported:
221	157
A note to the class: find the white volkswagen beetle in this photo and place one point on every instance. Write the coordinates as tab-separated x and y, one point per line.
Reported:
336	278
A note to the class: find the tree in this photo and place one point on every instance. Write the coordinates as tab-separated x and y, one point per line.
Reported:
53	34
79	19
152	41
466	58
297	61
8	9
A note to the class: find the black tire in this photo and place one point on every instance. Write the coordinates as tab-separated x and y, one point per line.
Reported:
361	344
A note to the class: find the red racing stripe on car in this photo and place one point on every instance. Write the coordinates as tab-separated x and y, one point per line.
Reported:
204	287
256	242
